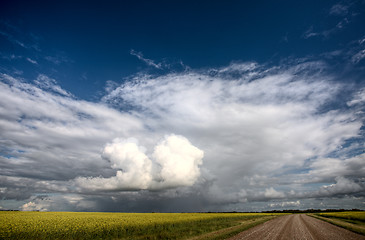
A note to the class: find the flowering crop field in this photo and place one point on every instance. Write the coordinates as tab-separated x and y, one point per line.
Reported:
352	216
86	225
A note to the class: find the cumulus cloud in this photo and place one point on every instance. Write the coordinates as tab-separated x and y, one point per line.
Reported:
67	202
285	204
272	193
31	206
342	186
177	164
179	161
327	169
135	167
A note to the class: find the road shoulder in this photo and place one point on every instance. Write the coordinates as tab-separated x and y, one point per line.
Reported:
232	231
340	223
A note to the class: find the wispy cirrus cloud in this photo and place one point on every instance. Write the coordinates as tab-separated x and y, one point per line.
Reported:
359	56
32	61
12	39
16	37
47	83
339	9
344	12
58	59
311	32
147	61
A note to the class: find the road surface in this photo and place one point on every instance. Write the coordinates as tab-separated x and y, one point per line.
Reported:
297	226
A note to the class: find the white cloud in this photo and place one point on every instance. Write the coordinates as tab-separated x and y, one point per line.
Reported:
47	83
358	56
32	61
339	9
134	168
272	193
176	164
342	186
129	157
57	132
285	204
327	169
31	206
13	40
59	59
179	161
66	202
149	62
238	68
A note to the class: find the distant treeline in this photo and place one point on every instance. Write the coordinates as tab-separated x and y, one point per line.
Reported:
299	211
312	210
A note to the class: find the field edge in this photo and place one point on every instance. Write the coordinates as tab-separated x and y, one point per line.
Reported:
340	223
232	231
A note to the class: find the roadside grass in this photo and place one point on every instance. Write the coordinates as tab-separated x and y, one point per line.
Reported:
232	231
353	221
87	225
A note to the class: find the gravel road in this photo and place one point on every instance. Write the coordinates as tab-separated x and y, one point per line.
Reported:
297	226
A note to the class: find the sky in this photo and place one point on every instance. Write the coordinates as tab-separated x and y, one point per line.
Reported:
182	106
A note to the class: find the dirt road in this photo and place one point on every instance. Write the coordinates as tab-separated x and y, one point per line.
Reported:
297	226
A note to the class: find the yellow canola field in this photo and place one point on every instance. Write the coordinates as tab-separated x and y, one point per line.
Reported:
88	225
356	216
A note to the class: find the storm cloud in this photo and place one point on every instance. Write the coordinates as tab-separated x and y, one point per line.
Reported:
243	136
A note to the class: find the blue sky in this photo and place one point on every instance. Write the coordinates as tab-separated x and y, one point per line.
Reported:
182	106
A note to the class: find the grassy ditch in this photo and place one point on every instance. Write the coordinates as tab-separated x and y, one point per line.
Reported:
353	221
232	231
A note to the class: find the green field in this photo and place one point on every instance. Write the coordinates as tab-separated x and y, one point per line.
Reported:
354	221
83	225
